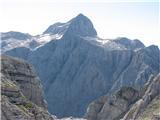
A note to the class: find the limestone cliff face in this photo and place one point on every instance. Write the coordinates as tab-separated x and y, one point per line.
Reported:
128	104
23	75
112	108
149	99
22	96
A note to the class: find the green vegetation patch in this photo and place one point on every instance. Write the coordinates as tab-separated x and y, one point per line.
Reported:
28	105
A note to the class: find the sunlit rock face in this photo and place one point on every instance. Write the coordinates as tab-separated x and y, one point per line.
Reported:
22	96
128	103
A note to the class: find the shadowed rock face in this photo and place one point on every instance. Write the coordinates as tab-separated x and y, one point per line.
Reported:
81	70
128	104
57	28
22	96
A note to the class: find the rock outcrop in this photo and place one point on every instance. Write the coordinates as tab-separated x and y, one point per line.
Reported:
112	108
21	91
128	104
152	93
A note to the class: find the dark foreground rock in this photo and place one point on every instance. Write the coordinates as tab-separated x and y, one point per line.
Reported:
21	92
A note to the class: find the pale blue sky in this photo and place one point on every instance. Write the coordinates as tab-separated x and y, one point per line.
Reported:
111	19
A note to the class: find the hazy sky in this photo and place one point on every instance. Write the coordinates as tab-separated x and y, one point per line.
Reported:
135	20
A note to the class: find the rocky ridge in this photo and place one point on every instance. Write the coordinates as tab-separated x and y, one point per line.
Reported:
128	104
21	92
150	97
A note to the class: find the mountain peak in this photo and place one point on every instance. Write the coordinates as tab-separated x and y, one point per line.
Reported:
81	25
57	28
130	44
81	16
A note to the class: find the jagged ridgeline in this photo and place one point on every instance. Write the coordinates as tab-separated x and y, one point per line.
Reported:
76	66
128	103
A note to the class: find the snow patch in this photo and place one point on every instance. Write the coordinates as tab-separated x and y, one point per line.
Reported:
32	44
96	39
9	44
108	44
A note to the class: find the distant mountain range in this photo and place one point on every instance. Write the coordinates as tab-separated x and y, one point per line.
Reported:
76	66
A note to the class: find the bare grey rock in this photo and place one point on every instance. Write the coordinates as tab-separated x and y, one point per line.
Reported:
128	104
22	96
152	92
24	76
113	107
22	111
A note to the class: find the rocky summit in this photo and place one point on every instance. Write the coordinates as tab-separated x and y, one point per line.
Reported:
76	66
